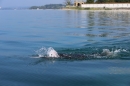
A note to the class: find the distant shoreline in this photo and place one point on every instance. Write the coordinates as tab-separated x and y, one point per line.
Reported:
80	8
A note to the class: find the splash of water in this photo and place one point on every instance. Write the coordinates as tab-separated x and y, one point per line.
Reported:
47	52
52	53
42	52
113	53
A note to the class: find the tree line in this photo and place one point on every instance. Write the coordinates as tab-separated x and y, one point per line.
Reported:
48	6
108	1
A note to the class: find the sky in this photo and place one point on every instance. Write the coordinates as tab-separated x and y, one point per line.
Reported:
25	3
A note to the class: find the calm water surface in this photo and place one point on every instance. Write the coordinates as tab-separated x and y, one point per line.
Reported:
23	32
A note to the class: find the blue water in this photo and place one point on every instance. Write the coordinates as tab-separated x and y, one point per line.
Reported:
71	32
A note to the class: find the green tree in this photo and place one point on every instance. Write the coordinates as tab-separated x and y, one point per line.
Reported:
101	1
126	1
122	1
90	1
68	2
111	1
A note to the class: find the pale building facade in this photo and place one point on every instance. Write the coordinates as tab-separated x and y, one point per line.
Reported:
119	5
78	3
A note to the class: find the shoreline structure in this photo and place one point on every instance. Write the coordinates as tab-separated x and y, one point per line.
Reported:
80	5
109	6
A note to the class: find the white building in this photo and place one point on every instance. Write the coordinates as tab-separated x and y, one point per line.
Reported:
120	5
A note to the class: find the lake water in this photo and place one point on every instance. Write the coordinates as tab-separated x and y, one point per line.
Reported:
23	33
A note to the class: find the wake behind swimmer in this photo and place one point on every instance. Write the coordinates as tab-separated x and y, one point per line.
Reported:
52	53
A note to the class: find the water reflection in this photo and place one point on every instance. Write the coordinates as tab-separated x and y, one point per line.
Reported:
106	24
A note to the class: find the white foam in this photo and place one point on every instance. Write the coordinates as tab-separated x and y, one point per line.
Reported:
115	52
107	52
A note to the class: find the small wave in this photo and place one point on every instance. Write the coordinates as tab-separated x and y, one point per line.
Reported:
72	54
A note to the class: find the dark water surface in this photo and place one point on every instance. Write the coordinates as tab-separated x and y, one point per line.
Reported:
71	32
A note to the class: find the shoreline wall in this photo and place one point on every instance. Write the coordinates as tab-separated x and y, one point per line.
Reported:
122	5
